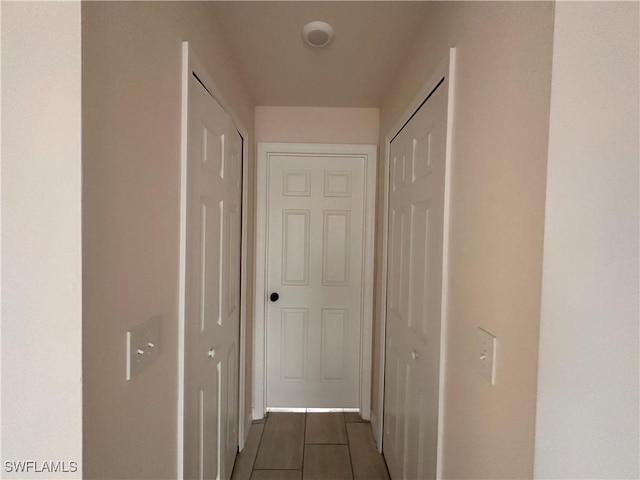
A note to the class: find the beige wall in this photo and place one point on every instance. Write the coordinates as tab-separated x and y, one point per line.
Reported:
317	125
587	415
500	131
330	125
41	242
131	195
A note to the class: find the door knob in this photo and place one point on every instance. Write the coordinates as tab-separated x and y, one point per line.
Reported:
211	353
274	297
414	355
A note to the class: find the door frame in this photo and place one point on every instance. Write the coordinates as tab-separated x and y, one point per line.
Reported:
191	63
446	68
265	150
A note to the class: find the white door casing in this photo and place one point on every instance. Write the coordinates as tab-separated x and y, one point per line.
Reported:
211	250
416	280
314	244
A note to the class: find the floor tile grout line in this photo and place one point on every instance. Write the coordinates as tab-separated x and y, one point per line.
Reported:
345	443
346	432
264	427
276	470
304	445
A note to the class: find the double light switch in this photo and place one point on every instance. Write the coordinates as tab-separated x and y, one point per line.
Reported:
143	346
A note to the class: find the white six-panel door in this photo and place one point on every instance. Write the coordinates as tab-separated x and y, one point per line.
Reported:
414	291
212	313
315	231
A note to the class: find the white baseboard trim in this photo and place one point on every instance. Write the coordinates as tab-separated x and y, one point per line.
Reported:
311	410
248	420
255	415
375	428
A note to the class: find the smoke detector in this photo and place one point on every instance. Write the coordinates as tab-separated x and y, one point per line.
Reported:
317	34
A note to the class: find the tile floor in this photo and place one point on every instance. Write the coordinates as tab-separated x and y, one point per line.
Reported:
311	446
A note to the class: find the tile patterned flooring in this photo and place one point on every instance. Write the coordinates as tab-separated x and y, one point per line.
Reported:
311	446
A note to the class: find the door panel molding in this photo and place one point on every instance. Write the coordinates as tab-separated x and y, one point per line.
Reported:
191	65
338	184
394	177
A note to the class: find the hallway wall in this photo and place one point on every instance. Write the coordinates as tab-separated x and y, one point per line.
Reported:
588	392
330	125
41	239
317	125
500	136
131	205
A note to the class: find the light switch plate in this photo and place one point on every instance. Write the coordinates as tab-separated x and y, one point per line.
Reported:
143	346
486	345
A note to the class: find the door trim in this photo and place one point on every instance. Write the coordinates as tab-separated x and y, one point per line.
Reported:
369	152
192	64
446	68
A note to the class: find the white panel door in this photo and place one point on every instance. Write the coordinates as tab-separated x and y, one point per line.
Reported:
214	169
414	294
315	244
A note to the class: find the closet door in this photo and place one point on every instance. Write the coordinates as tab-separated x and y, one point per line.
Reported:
212	303
414	293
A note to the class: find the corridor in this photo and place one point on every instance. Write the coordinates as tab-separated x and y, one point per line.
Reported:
139	339
311	446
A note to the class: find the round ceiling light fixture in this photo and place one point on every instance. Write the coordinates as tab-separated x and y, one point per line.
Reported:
317	34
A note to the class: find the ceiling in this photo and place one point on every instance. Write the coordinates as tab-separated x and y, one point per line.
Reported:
355	70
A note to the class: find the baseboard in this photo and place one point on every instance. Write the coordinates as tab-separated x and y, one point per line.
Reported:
247	425
375	427
256	415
